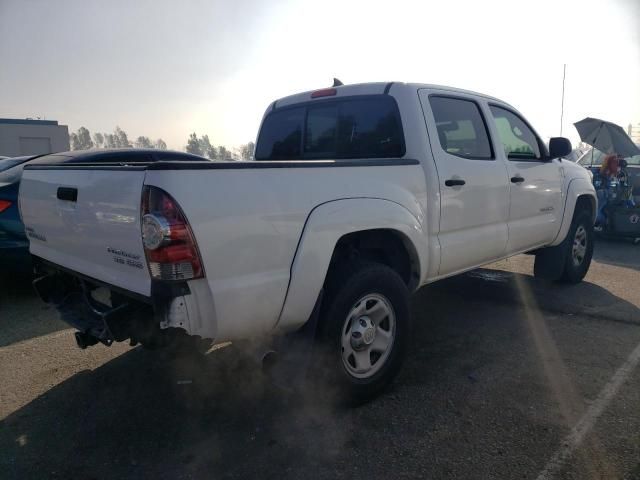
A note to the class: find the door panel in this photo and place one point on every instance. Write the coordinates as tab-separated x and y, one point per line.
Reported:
536	201
473	216
536	204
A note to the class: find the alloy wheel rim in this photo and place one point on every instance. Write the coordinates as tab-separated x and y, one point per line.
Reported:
579	249
367	335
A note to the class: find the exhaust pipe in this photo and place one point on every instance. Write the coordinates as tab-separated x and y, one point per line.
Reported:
84	340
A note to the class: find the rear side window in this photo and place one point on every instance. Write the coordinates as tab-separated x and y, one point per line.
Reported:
281	135
353	127
321	132
461	128
518	140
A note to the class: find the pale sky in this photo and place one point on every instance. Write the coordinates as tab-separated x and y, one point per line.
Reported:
164	68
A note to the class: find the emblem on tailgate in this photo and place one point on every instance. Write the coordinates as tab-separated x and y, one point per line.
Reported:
125	258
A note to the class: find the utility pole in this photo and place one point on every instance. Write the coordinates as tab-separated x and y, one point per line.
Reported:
564	73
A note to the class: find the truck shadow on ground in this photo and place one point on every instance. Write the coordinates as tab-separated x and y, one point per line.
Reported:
22	314
141	417
619	252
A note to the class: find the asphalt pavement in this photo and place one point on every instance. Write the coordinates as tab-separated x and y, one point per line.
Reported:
507	377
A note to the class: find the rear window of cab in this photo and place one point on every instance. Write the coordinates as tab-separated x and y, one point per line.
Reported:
366	126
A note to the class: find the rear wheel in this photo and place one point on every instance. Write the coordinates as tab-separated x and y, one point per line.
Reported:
364	330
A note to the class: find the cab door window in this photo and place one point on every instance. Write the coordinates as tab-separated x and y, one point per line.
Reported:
461	128
518	140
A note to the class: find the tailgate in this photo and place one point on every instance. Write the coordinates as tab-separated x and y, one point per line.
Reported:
87	220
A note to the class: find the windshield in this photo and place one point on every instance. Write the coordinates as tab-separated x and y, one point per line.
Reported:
595	157
635	160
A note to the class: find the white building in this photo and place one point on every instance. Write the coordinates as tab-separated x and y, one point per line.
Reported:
31	137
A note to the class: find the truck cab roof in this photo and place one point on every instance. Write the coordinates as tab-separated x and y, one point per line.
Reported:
376	88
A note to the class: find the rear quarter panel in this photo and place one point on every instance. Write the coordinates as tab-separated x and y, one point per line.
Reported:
248	222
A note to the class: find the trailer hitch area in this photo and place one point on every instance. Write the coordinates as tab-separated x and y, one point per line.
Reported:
100	309
74	300
84	340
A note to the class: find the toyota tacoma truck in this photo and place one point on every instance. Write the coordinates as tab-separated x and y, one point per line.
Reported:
358	196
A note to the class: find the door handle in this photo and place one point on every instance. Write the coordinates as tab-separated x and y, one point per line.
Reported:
67	193
454	182
517	179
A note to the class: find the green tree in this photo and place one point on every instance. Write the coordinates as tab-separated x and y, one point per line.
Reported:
207	149
81	140
110	140
246	151
84	136
160	144
143	142
73	140
193	145
224	154
122	141
98	139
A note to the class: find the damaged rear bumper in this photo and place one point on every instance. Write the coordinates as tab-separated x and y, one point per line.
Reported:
103	313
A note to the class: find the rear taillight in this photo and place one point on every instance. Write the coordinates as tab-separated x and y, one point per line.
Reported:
4	204
169	244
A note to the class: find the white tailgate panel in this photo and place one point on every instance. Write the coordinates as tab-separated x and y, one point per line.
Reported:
99	234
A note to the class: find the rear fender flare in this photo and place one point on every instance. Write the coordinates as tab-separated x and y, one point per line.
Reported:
326	224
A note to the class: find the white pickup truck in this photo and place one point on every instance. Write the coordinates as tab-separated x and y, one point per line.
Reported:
358	195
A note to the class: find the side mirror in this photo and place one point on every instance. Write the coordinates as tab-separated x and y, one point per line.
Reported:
559	147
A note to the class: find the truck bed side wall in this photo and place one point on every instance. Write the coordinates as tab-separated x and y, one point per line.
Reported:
248	223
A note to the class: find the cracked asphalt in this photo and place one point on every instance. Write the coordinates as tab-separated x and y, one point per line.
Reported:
501	368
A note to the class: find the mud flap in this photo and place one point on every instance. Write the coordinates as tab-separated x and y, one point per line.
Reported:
550	262
295	353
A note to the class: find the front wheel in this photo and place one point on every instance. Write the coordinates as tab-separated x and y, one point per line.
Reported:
364	329
569	262
580	248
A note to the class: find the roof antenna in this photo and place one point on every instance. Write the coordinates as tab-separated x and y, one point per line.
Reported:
336	82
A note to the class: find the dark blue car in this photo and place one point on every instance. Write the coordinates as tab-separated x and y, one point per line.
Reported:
14	246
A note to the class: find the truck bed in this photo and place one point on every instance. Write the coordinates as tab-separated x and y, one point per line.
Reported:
247	218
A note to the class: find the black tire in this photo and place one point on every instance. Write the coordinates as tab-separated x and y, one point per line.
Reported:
343	292
558	263
575	271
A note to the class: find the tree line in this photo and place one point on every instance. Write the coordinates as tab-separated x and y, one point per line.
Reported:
202	146
83	140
